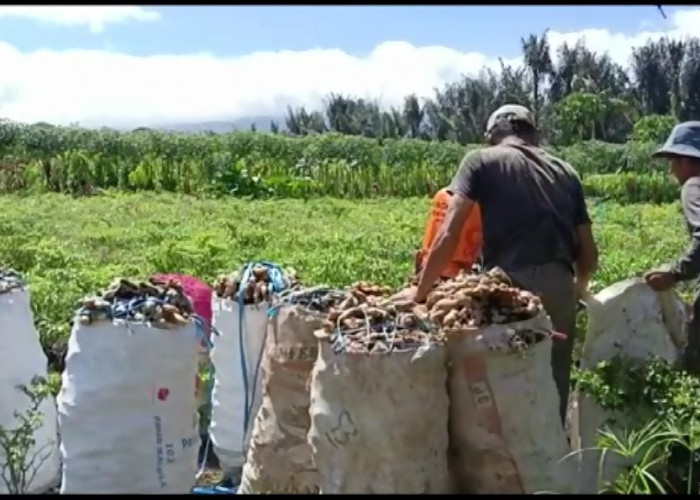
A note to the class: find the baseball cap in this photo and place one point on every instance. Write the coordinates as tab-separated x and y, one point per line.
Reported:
515	112
683	141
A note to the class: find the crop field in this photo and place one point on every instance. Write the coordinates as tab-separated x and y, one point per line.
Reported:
73	246
260	165
79	208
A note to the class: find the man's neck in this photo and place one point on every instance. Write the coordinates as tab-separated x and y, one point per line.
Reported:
513	140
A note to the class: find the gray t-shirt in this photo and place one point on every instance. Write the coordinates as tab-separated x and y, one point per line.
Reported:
688	266
531	204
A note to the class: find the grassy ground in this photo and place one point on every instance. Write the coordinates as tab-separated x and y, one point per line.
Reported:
72	246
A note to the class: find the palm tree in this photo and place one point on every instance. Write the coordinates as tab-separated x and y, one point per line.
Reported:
651	79
675	50
537	58
412	115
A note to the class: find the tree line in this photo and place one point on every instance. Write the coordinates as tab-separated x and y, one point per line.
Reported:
576	95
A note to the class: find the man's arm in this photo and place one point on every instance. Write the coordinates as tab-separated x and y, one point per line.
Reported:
445	244
587	260
688	266
465	187
587	251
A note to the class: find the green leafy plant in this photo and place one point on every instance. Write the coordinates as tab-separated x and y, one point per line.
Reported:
72	160
653	128
647	450
642	389
657	435
22	460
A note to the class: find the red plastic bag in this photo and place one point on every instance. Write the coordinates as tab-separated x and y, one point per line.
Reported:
199	293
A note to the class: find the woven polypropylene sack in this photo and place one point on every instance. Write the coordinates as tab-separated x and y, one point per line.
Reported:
280	459
200	295
127	409
22	359
236	395
505	429
379	421
631	320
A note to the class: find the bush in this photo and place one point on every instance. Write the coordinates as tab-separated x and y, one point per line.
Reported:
72	160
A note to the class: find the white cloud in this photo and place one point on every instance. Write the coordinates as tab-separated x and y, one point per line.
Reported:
95	17
109	88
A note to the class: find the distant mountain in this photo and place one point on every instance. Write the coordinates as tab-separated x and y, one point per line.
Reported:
262	124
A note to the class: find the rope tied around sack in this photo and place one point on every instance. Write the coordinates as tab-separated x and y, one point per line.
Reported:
277	284
154	304
11	280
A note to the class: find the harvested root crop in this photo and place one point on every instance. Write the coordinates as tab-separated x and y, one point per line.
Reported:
163	304
413	279
366	320
10	280
258	288
473	301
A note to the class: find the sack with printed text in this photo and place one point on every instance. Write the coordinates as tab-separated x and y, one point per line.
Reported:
505	432
280	459
379	403
127	406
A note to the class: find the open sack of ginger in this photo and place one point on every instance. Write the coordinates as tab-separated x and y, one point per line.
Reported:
379	403
279	458
505	431
127	409
240	307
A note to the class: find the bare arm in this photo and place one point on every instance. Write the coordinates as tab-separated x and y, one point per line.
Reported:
466	188
445	244
587	251
587	259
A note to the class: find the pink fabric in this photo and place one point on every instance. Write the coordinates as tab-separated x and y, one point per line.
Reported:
198	291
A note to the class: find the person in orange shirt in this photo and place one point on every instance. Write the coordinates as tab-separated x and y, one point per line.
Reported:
469	246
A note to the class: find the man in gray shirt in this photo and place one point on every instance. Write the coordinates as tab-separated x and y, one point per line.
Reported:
682	149
535	225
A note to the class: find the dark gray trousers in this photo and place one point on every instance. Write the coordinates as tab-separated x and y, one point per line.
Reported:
555	283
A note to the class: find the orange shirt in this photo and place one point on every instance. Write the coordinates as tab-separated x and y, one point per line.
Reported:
469	241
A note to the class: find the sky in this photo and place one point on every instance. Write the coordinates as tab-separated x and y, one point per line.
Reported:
128	66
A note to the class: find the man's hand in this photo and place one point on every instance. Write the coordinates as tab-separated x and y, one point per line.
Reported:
660	281
410	293
582	288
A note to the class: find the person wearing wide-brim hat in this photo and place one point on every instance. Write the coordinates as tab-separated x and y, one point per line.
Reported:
535	225
682	149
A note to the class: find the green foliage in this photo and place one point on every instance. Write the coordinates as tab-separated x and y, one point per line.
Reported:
643	390
245	164
647	450
69	247
629	187
653	128
658	433
20	460
578	113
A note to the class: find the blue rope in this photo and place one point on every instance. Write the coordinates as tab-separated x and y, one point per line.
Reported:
276	279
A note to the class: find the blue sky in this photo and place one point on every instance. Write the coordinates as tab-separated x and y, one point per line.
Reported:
235	31
136	65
